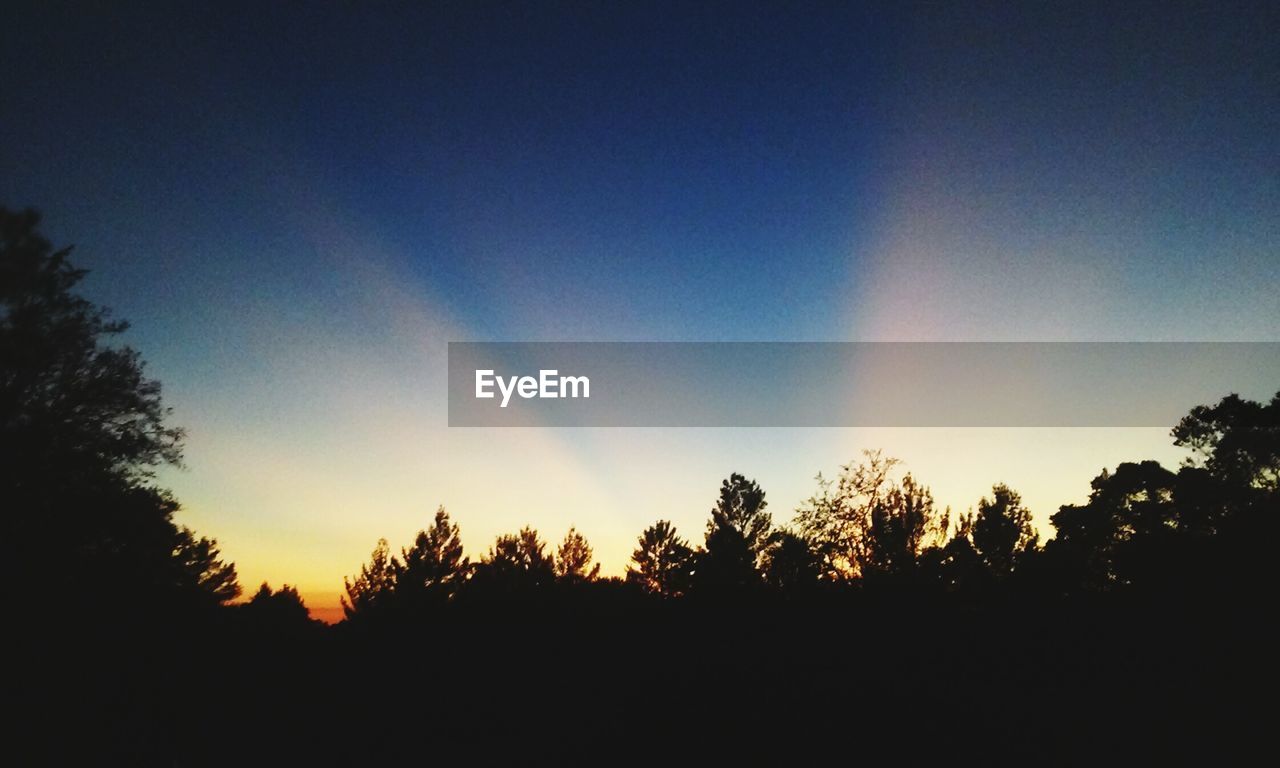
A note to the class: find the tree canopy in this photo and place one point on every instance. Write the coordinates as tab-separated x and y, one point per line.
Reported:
82	431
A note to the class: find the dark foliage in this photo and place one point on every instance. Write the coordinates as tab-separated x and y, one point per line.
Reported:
81	432
1002	532
791	565
573	560
282	610
662	563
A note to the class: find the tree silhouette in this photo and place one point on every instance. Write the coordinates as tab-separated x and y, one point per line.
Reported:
1227	496
838	518
904	523
82	431
738	533
573	560
791	565
956	566
68	400
1236	440
516	562
203	571
432	570
662	561
1002	531
369	592
1145	526
278	610
866	523
726	563
741	508
1102	542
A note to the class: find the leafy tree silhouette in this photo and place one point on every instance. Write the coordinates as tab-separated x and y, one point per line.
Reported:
1237	441
867	524
573	560
1228	495
791	565
372	590
741	508
202	568
662	561
516	562
904	523
738	534
726	564
838	518
82	431
67	399
278	610
433	570
1002	533
1101	543
956	566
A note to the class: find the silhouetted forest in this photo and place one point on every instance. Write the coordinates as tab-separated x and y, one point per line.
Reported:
872	626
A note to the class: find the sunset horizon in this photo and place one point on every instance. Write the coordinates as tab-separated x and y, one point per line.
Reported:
925	329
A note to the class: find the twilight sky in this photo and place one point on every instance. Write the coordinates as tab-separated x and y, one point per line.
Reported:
298	206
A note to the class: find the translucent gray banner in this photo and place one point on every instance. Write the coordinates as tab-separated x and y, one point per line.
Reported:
854	384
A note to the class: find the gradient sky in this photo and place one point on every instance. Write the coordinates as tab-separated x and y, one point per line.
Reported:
297	206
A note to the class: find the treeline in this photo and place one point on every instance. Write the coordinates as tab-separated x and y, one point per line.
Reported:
1144	528
83	430
872	622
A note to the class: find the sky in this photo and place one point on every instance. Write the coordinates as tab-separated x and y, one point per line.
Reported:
299	205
